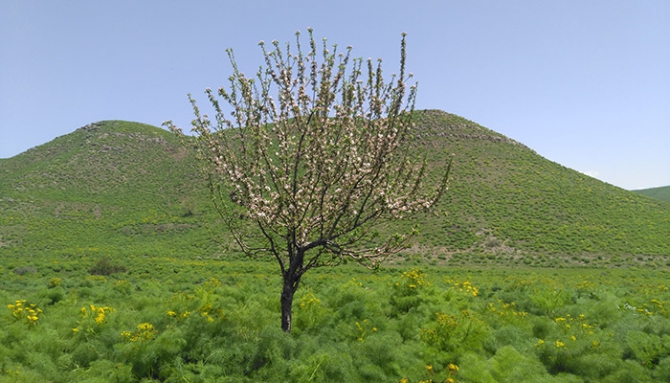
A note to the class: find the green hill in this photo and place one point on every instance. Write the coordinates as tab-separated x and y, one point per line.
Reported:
506	198
118	187
662	193
108	187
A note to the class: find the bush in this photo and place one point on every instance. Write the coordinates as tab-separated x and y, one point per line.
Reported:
106	267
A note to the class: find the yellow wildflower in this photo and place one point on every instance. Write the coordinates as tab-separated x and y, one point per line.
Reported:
145	326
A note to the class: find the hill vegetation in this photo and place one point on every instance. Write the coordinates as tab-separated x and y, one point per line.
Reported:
108	187
505	196
118	187
662	193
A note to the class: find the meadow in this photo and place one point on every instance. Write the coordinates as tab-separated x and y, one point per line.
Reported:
166	319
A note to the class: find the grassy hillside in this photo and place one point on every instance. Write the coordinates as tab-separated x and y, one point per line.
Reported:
662	193
107	187
505	197
120	187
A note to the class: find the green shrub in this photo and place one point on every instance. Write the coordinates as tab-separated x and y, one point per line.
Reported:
585	325
106	267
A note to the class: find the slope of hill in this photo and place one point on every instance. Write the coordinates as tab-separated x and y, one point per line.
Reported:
108	186
120	187
504	198
662	193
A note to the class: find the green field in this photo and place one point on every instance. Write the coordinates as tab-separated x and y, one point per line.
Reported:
178	320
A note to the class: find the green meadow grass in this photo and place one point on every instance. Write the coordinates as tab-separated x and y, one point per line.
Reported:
174	319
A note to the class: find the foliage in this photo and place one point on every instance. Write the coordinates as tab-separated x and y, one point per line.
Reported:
212	320
311	158
105	266
107	188
509	204
662	193
215	320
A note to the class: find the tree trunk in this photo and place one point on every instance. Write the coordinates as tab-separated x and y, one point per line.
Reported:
291	282
287	305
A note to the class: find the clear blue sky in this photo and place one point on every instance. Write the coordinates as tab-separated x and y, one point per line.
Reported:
584	83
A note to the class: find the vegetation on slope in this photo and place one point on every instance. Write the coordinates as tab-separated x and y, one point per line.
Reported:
120	187
504	196
107	187
662	193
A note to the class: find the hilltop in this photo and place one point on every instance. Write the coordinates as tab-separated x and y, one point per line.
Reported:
123	187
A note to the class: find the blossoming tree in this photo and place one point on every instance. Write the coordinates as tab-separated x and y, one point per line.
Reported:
308	157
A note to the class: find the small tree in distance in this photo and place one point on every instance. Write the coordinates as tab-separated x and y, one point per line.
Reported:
311	158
